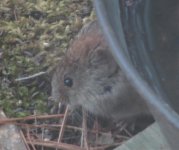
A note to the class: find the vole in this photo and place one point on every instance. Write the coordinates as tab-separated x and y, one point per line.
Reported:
89	76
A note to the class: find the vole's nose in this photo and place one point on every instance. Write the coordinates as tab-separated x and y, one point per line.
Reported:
55	106
52	105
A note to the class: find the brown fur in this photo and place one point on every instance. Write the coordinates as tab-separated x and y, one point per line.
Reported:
99	85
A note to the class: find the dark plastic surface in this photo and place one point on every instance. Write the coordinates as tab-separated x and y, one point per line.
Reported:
129	27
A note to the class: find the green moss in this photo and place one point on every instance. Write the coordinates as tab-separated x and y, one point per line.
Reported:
33	36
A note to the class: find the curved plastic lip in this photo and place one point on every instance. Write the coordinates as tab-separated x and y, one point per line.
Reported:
161	110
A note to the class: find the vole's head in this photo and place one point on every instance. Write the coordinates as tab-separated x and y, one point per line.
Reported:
86	72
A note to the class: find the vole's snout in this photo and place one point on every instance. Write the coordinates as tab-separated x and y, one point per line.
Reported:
88	76
55	106
52	105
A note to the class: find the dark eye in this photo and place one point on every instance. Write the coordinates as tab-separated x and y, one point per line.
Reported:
68	82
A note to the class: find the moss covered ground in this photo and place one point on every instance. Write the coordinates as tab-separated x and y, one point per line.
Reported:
34	34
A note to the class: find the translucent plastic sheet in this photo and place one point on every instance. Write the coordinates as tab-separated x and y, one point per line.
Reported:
143	36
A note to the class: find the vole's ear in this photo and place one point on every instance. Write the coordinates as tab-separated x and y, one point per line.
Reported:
98	57
102	59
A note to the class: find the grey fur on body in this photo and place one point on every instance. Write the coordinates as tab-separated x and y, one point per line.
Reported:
99	85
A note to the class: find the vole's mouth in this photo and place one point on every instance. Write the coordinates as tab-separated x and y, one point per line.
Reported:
52	102
57	105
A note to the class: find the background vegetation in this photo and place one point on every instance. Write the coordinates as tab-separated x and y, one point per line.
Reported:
34	34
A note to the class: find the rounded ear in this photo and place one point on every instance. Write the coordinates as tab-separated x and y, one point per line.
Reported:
102	59
98	57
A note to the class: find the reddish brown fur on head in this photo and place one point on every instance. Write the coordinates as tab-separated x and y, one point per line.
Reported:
98	84
84	44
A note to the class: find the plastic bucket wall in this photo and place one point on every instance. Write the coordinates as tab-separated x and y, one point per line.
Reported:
131	29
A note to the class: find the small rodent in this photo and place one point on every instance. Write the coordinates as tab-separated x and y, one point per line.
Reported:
89	76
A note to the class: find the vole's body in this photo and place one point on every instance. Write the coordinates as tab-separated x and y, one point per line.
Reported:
99	85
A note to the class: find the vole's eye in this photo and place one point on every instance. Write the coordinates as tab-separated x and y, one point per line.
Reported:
68	82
